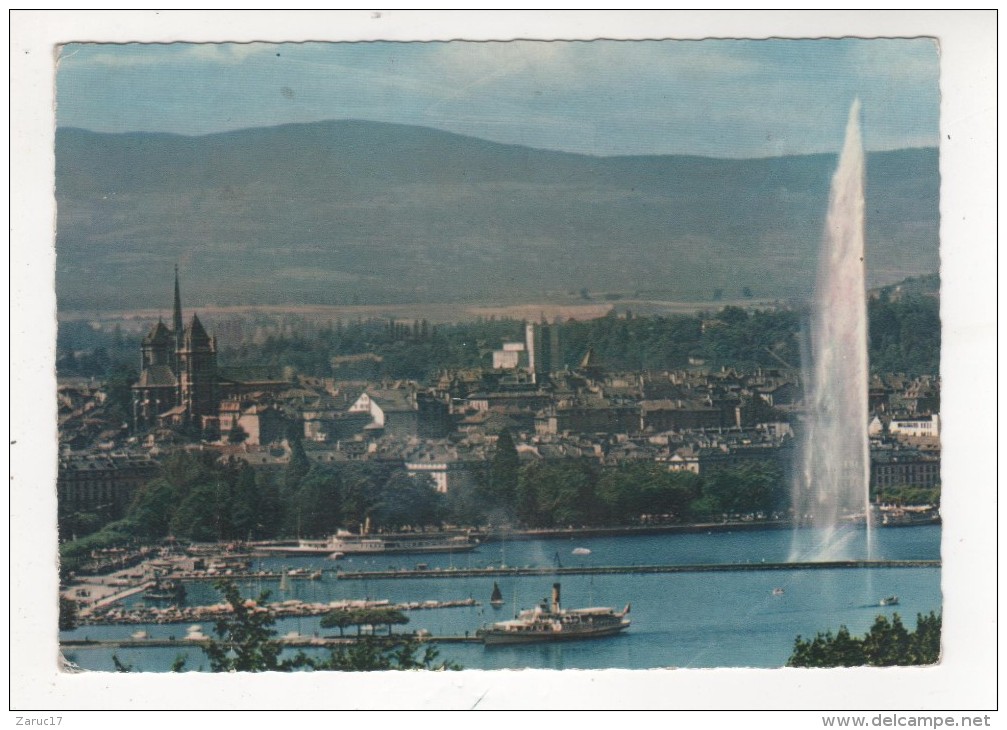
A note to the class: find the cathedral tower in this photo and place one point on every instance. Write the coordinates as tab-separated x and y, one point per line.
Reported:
197	376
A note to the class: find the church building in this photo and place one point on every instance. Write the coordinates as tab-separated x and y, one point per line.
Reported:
178	382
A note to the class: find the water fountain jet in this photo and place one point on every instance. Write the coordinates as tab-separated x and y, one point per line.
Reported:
832	481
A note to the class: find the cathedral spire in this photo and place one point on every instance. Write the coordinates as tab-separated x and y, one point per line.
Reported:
177	318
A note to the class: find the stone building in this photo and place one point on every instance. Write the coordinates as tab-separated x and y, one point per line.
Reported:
178	375
101	483
180	382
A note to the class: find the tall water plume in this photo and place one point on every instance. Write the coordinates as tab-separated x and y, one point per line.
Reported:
832	481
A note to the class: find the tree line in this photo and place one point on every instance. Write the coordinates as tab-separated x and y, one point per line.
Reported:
887	644
904	337
583	492
196	497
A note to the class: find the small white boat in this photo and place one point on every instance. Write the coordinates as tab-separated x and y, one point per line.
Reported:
778	591
581	551
139	635
889	601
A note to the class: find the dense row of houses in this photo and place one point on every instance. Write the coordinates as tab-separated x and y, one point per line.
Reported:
691	419
448	430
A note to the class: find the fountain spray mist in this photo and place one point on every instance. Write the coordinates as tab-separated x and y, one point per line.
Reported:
833	476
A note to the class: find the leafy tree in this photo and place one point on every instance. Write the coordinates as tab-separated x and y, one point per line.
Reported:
249	513
558	493
372	653
246	642
826	650
905	335
632	489
299	464
73	554
317	502
503	477
745	489
408	501
908	495
362	489
887	644
245	637
343	619
464	506
733	316
80	524
153	506
67	614
205	515
118	387
237	435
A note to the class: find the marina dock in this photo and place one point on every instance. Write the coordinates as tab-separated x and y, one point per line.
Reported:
283	609
303	642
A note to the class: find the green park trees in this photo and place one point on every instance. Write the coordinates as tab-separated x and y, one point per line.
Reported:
197	498
343	619
887	644
558	493
637	488
501	488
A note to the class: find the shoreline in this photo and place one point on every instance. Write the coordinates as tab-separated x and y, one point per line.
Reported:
499	535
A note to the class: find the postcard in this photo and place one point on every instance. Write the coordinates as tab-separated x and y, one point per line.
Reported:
559	350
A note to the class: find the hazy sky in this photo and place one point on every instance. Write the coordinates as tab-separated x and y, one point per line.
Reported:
714	97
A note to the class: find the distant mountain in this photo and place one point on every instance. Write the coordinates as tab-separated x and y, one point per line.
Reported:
362	212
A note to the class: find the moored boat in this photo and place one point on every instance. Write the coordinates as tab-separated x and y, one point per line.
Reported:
345	544
496	598
908	516
889	601
170	590
550	622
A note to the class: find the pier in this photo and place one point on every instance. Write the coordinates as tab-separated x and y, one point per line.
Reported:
283	609
303	642
506	571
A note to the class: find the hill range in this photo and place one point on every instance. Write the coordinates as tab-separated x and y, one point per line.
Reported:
353	212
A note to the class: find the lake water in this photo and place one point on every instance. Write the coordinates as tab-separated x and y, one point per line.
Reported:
688	620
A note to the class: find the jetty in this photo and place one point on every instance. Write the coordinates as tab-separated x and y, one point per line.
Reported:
283	609
299	641
493	572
